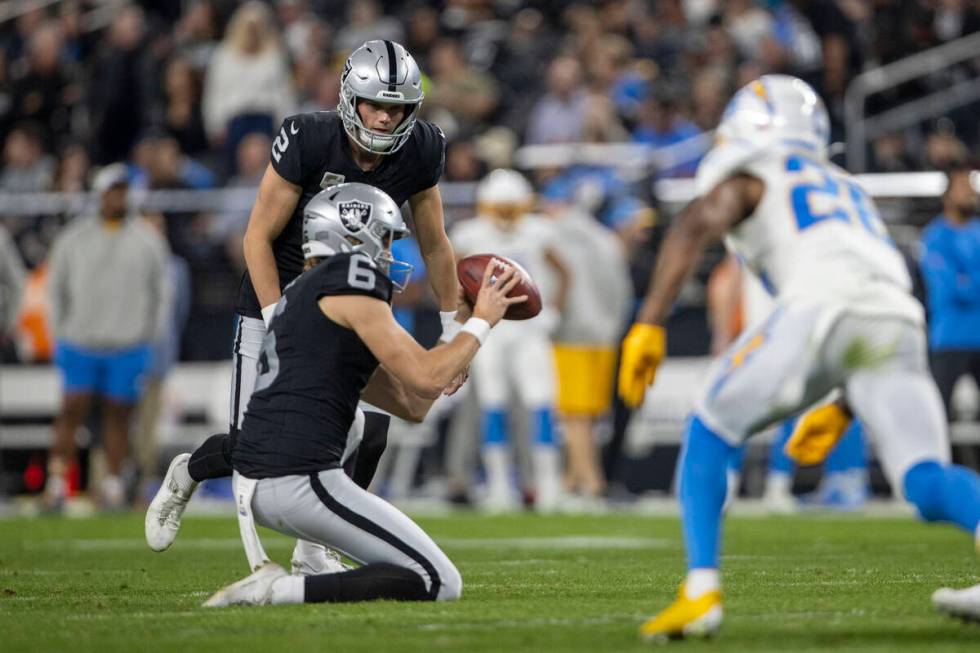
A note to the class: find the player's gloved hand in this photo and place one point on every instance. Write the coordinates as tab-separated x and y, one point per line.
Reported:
643	350
816	433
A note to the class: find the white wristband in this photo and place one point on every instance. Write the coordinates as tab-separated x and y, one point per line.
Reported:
267	314
477	328
450	327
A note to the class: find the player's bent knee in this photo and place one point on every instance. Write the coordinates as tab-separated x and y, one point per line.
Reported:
452	583
923	485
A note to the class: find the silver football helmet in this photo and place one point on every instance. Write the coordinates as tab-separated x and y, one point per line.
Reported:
356	218
381	71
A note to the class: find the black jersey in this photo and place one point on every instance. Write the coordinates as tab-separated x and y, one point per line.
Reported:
311	374
312	151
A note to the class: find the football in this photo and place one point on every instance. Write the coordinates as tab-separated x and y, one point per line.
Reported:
470	272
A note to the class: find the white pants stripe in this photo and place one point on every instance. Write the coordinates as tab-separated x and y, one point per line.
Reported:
245	360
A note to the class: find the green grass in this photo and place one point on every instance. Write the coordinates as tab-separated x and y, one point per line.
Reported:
530	584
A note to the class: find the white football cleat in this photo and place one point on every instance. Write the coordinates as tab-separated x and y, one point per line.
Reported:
163	516
255	589
311	559
963	604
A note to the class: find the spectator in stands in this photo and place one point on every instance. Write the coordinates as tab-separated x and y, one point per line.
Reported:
423	32
108	294
119	96
12	276
598	303
750	26
943	149
463	163
229	226
956	18
44	93
560	115
364	23
26	166
470	95
709	92
73	168
194	34
661	125
182	117
951	270
891	153
248	85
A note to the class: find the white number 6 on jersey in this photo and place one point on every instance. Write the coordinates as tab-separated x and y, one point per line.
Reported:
361	272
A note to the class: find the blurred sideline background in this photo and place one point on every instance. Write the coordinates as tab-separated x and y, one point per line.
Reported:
607	107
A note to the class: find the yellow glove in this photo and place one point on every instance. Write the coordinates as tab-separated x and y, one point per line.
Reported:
643	349
816	433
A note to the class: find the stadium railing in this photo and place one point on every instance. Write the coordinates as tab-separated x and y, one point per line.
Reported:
862	128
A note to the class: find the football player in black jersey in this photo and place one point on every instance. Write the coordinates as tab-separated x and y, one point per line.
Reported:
375	138
332	341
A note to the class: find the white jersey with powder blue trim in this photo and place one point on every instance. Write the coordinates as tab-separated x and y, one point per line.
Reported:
815	236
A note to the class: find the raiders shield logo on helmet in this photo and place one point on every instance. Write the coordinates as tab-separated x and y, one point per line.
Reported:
354	214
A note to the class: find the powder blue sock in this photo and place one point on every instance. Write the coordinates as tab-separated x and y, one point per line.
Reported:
702	493
736	459
494	427
543	427
948	493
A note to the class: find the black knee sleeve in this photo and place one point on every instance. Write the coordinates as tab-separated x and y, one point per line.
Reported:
363	463
213	458
372	582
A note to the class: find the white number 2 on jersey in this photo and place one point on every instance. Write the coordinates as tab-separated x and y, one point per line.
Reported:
280	144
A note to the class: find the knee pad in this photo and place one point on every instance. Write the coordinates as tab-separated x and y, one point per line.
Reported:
923	486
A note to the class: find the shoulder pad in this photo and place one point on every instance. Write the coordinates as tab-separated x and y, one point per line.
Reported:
723	161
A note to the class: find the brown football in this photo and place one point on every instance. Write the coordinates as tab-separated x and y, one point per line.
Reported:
470	272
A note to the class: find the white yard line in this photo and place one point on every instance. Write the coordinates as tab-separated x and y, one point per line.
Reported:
561	542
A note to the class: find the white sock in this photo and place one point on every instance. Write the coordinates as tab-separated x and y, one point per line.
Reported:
779	484
497	464
699	581
288	590
733	478
547	476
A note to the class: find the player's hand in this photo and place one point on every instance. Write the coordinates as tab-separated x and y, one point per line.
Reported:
492	301
816	433
457	382
643	350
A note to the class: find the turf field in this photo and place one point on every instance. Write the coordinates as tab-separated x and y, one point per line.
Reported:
530	584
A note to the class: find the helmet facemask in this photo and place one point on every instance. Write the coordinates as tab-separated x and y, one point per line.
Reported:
372	141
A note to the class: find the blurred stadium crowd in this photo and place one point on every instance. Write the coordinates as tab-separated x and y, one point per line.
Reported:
188	95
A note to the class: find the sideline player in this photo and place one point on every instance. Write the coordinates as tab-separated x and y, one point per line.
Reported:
374	137
520	357
845	320
329	333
